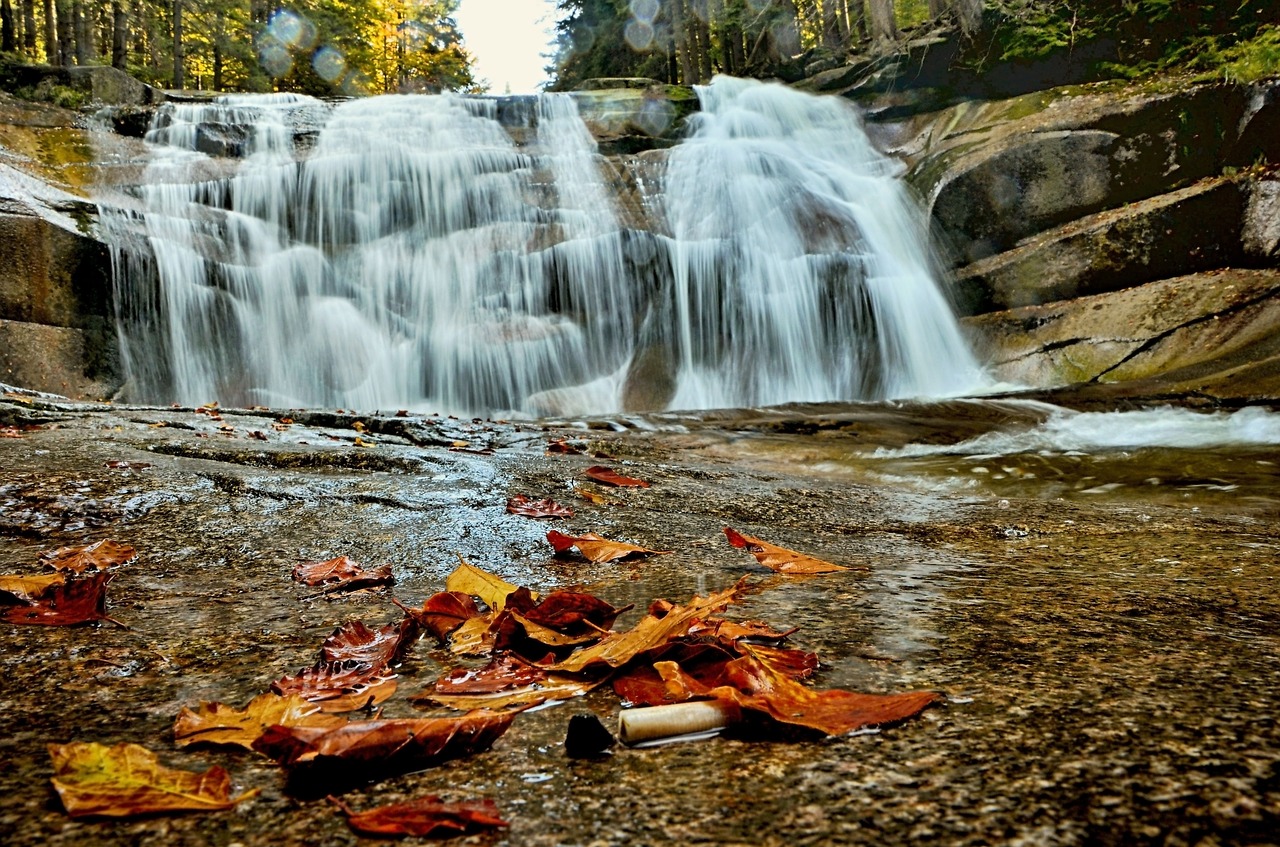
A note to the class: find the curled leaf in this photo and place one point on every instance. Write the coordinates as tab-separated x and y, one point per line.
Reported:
425	817
608	476
779	559
598	549
444	612
74	602
216	723
522	505
126	780
355	642
96	557
342	572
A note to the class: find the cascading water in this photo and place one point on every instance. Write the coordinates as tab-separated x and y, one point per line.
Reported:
416	255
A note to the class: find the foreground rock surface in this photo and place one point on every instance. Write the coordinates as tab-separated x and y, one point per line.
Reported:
1107	645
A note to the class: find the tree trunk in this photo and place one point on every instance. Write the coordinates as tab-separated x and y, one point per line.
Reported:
29	28
705	70
50	34
8	36
178	63
883	25
66	34
969	14
80	32
219	34
119	35
835	34
680	31
937	8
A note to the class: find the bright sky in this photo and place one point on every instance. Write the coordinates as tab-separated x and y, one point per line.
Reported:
507	39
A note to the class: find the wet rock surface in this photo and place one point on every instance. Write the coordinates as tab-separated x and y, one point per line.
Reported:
1107	646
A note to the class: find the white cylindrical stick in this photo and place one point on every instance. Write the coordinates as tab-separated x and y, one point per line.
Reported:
637	725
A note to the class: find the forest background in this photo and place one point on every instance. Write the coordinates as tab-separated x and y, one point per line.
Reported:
348	47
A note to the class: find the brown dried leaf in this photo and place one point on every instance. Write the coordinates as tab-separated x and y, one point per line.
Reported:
597	549
339	686
608	476
216	723
355	642
342	573
426	817
98	557
554	687
127	780
75	602
522	505
444	612
384	746
779	559
562	446
475	637
618	648
24	590
592	496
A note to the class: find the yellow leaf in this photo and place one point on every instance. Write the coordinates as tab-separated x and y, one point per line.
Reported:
127	780
473	637
780	559
27	588
471	580
216	723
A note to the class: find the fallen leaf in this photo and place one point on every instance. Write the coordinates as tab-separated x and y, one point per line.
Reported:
571	612
127	780
25	589
216	723
339	686
754	686
597	549
355	642
384	746
469	579
444	612
779	559
10	432
425	816
618	648
475	637
100	556
562	446
522	505
608	476
342	572
121	464
503	683
74	602
733	630
592	496
501	673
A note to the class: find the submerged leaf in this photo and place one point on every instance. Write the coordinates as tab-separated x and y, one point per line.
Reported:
216	723
98	557
779	559
355	642
74	602
444	612
597	549
608	476
522	505
385	746
342	572
126	780
425	816
503	683
340	686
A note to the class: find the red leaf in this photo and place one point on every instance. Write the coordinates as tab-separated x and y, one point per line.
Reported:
74	602
444	612
573	613
562	446
500	674
384	746
596	548
355	642
343	573
425	816
339	686
608	476
522	505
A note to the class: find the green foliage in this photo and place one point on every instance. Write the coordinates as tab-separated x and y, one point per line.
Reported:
67	97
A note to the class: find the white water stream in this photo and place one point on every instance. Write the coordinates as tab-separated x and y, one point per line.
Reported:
466	255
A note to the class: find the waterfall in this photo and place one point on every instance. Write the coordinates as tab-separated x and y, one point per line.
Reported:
466	255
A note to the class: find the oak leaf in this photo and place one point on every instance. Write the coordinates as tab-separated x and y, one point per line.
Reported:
426	817
342	573
522	505
618	648
216	723
384	746
15	588
73	602
608	476
355	642
779	559
127	780
598	549
469	579
443	612
98	557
